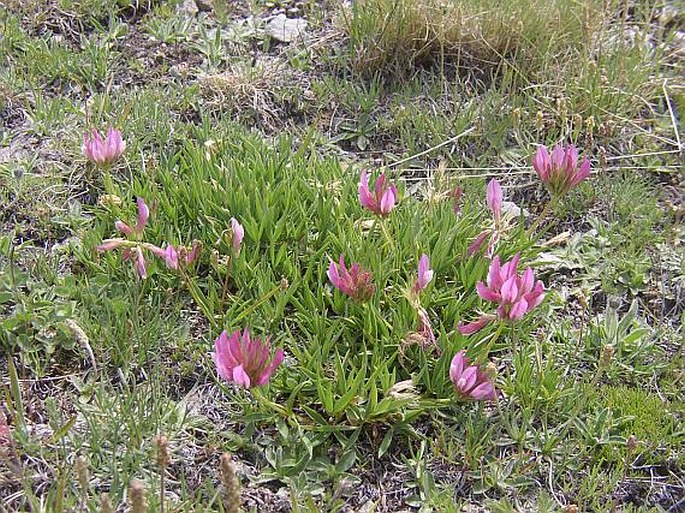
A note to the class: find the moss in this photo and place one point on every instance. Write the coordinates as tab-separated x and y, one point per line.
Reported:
652	421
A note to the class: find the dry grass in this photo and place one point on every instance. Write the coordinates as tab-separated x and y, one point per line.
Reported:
478	32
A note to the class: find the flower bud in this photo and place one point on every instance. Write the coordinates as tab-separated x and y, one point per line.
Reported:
602	156
607	355
631	443
516	114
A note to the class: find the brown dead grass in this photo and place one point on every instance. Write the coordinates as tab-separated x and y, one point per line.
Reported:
482	32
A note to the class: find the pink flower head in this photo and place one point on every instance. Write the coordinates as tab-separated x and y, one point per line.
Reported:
237	234
425	274
356	282
169	255
494	198
133	250
141	222
384	198
515	294
560	171
243	360
469	380
103	151
174	257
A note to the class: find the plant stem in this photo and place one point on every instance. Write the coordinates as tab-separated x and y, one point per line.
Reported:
224	287
162	486
196	293
541	217
258	303
386	234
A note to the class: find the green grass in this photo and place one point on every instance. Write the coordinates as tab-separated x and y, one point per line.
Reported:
278	142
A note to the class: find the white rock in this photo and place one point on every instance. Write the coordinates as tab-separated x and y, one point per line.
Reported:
189	7
286	29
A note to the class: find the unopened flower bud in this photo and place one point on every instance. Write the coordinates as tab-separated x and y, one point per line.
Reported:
602	156
607	354
109	200
539	121
577	121
490	370
214	258
561	108
516	113
631	443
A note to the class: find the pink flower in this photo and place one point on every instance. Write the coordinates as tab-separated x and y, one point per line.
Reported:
103	152
140	263
193	254
169	255
110	244
477	325
237	234
174	257
133	250
141	222
469	380
560	171
478	242
425	274
515	294
356	282
494	198
243	360
384	198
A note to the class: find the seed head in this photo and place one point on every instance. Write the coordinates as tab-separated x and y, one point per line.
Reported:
162	444
81	469
607	355
136	493
231	484
106	504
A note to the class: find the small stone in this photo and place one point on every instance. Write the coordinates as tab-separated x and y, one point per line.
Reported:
511	209
189	7
286	29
